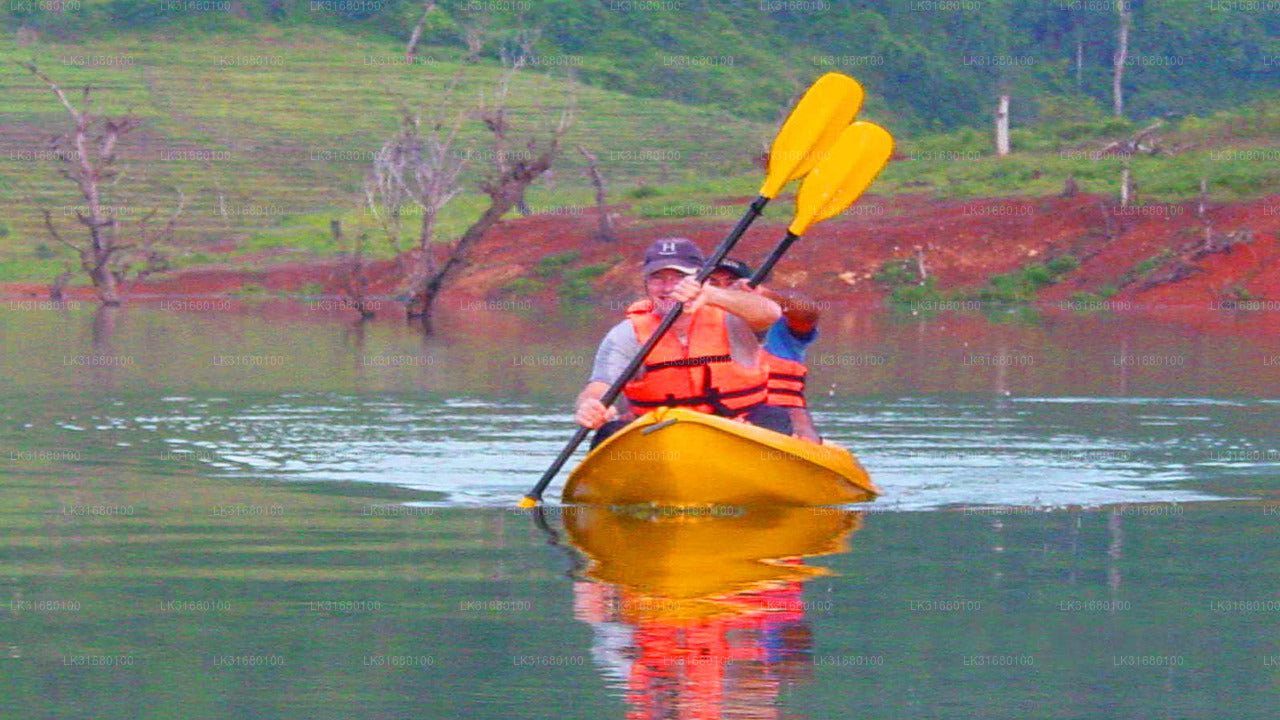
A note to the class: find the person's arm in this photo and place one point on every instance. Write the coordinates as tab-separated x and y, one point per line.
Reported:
588	410
799	309
615	351
802	424
758	311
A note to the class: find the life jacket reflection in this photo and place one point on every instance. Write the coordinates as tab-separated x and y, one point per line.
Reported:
734	664
786	381
702	376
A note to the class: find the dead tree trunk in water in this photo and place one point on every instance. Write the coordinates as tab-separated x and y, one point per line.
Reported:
90	164
513	173
416	170
503	194
355	283
606	232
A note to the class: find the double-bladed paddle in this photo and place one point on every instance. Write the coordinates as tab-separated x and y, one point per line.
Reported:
835	183
803	142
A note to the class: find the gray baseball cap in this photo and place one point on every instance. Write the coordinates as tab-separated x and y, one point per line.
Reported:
674	252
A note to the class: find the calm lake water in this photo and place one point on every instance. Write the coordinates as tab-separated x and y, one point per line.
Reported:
273	512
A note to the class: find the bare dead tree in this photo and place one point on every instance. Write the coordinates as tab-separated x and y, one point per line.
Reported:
355	282
58	286
606	232
418	171
88	159
516	47
411	50
1070	188
1121	56
512	174
1126	149
515	52
475	31
1002	125
1079	28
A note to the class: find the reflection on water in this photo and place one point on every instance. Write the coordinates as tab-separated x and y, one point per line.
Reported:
697	616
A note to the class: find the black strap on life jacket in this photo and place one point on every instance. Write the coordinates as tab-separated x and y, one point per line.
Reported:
785	376
713	397
688	362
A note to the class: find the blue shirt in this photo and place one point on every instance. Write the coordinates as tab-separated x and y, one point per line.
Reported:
784	343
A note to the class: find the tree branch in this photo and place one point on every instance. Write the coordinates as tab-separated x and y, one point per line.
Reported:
31	66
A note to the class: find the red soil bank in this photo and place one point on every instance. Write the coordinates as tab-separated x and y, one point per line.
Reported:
964	242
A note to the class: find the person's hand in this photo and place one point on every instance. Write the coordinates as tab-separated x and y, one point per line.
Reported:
591	413
692	293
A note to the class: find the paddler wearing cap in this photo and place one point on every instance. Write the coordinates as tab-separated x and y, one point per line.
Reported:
784	344
710	361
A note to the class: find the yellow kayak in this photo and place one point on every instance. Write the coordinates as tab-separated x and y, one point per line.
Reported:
678	457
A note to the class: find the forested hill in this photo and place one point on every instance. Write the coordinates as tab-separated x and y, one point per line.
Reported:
929	64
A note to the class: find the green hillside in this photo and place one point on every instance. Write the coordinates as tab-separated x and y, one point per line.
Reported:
266	115
935	64
279	129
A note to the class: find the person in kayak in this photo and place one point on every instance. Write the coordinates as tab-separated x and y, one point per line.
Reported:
785	344
709	361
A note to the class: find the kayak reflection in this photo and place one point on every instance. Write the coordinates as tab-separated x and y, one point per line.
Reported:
697	615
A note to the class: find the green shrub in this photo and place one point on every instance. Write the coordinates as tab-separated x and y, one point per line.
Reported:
643	191
1062	265
917	294
896	273
523	286
1085	301
1152	262
553	265
1038	275
577	284
1022	285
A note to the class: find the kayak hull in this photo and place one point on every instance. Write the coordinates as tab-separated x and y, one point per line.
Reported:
678	457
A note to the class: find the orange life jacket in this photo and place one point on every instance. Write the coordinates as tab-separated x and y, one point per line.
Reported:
786	381
702	376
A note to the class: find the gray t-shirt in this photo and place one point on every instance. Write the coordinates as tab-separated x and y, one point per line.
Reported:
620	345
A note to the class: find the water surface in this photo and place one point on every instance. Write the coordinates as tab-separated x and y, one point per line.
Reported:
274	513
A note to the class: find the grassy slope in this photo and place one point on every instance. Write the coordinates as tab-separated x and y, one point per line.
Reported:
286	124
288	120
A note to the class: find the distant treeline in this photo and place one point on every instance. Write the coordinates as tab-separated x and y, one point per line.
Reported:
931	64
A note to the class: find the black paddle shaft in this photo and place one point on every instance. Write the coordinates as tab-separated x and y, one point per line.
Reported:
725	247
762	272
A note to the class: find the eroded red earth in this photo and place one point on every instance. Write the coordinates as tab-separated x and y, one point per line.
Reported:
963	243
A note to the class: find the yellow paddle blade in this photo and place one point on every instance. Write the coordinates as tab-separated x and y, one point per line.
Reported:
827	108
857	156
